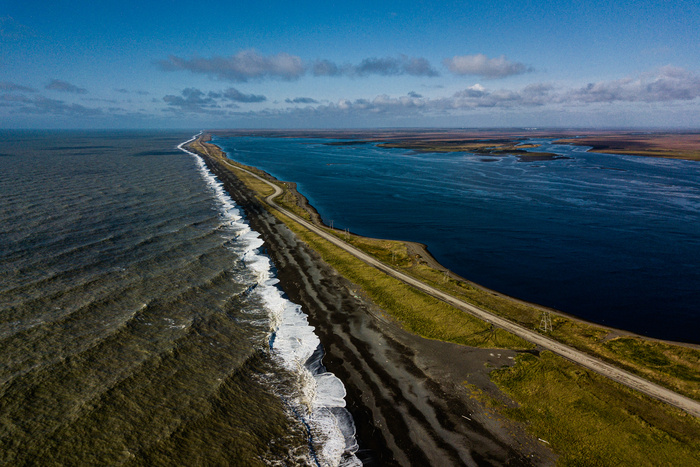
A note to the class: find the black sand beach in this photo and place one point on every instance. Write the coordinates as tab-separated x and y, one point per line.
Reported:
407	395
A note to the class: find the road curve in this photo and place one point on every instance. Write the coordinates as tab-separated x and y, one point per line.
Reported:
616	374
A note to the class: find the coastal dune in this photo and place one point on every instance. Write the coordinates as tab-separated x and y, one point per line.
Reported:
407	395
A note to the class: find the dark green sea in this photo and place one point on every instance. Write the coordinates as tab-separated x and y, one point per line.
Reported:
140	322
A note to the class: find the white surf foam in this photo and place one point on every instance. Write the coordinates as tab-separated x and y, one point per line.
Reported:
319	398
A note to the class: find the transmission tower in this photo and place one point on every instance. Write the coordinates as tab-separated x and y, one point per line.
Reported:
546	322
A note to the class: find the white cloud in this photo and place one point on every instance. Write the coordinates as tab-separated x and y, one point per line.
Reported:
193	100
403	65
481	65
235	95
663	85
659	92
249	64
385	66
301	100
243	66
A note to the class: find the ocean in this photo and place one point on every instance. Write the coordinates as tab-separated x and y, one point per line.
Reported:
140	320
608	238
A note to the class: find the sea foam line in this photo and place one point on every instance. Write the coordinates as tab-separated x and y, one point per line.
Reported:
320	396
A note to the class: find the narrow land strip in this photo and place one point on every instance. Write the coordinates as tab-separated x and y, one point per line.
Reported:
406	394
616	374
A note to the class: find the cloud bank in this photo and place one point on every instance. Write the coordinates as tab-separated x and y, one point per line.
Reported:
301	100
40	105
250	65
668	89
194	100
235	95
663	85
12	87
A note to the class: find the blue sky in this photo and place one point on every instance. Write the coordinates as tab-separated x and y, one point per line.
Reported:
309	64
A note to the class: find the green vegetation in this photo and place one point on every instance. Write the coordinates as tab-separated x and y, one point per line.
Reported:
675	366
590	420
492	148
446	146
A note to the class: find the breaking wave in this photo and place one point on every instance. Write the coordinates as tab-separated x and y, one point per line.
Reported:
317	397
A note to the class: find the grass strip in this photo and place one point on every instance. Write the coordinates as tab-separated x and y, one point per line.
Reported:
590	420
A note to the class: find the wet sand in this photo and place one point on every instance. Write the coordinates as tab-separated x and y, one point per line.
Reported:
406	394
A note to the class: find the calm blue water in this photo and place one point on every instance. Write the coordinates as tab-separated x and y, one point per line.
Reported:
612	239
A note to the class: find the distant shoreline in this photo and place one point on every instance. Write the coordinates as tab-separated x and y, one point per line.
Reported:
664	144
